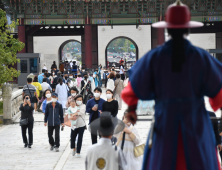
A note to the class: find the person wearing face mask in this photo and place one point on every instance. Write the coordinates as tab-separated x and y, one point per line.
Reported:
110	105
54	117
79	127
97	77
62	91
73	91
47	99
93	107
72	82
110	82
86	87
79	79
26	113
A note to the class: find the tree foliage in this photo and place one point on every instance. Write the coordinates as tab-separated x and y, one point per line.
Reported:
9	47
121	45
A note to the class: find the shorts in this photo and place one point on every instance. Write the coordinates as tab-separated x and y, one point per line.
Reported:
34	100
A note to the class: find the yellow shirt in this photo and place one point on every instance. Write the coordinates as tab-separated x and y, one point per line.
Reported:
37	86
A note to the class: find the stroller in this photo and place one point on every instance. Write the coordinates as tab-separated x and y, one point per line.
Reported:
89	95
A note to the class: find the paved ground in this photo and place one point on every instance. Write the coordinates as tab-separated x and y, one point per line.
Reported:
14	157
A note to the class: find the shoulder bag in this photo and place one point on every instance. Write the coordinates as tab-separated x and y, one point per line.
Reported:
30	94
23	122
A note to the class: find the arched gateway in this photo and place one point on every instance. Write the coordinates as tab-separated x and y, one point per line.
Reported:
70	50
121	48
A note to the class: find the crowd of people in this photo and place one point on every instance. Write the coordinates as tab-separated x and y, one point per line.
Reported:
181	135
66	97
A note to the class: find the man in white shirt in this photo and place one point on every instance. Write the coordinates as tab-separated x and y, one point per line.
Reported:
44	67
45	85
103	155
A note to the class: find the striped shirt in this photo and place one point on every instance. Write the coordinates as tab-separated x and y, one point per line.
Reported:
31	88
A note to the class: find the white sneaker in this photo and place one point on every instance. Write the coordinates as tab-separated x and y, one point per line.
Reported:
78	155
73	153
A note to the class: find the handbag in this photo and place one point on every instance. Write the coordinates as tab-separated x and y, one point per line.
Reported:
23	122
139	150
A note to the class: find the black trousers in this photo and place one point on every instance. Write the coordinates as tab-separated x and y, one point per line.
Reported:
80	132
55	143
30	133
122	76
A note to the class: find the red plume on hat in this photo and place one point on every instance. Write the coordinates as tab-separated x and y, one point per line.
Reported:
177	16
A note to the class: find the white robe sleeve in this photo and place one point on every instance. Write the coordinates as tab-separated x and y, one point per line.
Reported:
135	136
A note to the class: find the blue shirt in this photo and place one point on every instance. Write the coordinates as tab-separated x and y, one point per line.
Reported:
90	104
40	78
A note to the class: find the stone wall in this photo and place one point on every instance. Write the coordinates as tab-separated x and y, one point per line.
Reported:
11	103
48	47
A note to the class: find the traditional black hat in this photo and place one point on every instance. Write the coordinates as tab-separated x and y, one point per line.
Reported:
106	125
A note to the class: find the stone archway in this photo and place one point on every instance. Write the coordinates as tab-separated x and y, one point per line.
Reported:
64	44
141	37
121	37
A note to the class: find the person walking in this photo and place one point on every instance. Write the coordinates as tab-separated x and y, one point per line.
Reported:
121	71
38	89
54	117
46	75
80	126
30	90
182	135
54	66
48	99
79	79
86	87
110	105
74	92
26	109
92	80
62	91
44	67
45	85
110	81
132	139
93	107
103	155
61	67
41	76
118	89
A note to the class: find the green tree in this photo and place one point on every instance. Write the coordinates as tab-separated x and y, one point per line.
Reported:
9	47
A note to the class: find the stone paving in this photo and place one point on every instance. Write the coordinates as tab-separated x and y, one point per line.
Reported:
13	156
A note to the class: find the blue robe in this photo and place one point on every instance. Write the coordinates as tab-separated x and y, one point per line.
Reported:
98	81
179	104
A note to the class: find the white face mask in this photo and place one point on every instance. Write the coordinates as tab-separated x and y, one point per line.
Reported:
48	95
108	96
73	94
53	73
78	102
97	95
54	100
71	77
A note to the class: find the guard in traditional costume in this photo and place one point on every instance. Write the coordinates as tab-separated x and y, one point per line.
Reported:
104	156
177	75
